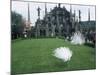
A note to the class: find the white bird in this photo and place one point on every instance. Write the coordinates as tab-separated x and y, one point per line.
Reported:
63	53
78	38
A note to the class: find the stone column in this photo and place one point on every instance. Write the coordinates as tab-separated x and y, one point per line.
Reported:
58	24
37	28
47	31
52	26
74	18
53	31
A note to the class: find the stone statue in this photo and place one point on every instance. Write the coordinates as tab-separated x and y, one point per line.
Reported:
38	11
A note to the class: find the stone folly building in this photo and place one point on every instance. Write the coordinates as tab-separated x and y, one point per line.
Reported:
57	22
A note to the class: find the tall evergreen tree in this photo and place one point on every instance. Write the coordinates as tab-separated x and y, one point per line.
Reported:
17	25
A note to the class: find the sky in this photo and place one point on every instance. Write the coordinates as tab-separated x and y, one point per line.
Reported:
22	8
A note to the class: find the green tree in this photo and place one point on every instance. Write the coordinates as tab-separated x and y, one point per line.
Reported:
17	25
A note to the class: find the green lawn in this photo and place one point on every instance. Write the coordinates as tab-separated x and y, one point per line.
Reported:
35	55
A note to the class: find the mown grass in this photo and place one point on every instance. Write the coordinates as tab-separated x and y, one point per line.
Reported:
35	55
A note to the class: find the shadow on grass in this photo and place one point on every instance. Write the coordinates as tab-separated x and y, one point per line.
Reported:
90	45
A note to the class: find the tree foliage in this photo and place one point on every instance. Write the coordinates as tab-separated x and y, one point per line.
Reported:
17	25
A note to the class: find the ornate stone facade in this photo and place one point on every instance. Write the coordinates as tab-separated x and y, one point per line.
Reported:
57	22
